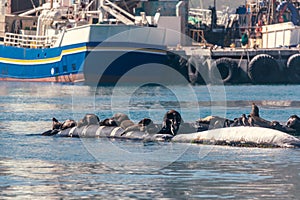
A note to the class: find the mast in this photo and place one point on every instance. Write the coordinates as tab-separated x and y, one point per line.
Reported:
201	4
271	11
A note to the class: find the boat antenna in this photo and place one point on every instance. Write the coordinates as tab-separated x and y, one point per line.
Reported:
191	4
271	12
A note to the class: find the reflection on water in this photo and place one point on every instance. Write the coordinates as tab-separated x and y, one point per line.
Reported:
224	173
35	167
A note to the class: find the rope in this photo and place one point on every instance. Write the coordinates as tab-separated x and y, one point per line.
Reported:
33	4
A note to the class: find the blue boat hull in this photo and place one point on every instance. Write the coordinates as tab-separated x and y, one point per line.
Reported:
59	64
82	62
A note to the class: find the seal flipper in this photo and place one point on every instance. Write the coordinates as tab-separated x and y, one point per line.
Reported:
47	133
158	138
50	132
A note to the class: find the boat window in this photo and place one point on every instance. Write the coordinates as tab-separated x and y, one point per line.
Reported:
4	70
56	70
65	68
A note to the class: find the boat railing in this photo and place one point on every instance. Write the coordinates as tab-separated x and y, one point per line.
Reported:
29	41
204	15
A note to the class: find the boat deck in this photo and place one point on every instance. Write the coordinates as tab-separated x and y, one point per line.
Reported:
235	53
250	52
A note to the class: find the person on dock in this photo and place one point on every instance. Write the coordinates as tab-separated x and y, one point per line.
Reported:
245	40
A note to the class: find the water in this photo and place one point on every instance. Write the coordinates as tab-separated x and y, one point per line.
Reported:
36	167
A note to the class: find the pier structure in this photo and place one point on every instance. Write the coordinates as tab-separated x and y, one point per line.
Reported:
214	65
258	44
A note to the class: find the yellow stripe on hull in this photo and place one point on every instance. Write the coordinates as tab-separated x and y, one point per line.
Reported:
73	51
43	60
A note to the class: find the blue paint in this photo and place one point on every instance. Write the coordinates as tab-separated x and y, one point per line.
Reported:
65	63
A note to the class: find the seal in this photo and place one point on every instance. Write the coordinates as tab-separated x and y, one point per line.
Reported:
69	123
245	120
58	126
256	120
171	122
55	124
88	119
108	122
212	122
242	121
254	110
122	120
294	123
147	125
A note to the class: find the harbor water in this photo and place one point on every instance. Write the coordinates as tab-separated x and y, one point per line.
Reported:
40	167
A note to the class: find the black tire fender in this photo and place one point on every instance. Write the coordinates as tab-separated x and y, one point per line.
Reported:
226	68
293	68
192	70
263	69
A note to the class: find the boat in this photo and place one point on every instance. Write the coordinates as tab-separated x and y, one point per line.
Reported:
109	42
90	41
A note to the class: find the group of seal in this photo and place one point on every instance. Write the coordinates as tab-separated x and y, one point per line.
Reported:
173	123
253	119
